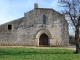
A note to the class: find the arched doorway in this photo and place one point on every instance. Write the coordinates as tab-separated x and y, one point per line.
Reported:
43	40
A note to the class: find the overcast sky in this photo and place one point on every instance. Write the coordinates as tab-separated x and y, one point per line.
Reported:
13	9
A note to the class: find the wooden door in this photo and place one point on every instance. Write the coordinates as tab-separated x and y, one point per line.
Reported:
43	40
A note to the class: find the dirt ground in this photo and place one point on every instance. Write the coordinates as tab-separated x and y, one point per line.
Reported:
71	47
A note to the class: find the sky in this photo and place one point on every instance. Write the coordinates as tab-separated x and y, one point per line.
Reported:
14	9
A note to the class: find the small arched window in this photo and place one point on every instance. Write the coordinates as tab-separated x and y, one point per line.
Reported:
44	19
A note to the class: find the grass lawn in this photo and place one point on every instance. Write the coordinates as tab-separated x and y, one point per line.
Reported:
22	53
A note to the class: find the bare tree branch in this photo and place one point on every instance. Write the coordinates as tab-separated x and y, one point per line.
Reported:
72	11
78	1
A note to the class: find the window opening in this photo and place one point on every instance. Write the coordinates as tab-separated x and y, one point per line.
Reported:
9	27
44	19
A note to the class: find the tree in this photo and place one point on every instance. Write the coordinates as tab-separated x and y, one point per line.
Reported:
72	12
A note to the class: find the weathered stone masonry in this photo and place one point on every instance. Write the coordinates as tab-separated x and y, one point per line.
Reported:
40	26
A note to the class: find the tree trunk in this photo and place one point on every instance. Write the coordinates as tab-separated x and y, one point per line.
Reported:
77	39
77	48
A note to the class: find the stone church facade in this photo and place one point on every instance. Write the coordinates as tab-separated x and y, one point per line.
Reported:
38	27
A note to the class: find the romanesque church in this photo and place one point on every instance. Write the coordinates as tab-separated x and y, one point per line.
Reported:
38	27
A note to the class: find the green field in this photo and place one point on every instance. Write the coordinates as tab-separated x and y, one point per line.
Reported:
22	53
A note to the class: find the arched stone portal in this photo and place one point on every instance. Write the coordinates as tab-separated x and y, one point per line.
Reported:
43	33
43	40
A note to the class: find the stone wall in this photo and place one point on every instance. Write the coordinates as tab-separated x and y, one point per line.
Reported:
54	24
9	37
27	30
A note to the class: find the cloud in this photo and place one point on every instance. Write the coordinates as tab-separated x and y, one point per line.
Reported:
54	3
3	11
12	9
